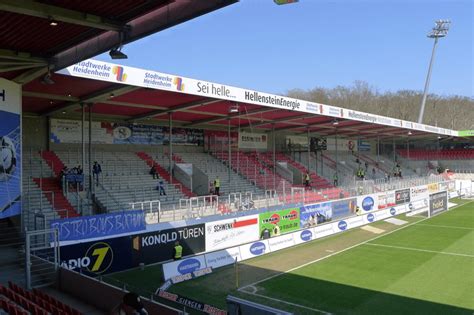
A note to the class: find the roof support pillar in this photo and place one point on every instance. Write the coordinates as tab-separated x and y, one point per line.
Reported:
170	134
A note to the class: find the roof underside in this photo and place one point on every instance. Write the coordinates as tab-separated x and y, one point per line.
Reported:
130	103
31	43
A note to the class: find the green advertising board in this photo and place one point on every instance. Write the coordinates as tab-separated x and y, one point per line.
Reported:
274	223
466	133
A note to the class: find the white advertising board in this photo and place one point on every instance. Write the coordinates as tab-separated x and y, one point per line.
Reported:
254	249
419	192
223	257
368	203
231	232
181	267
281	242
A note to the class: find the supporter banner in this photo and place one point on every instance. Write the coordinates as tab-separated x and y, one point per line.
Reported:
419	192
343	208
69	131
311	215
251	250
402	196
368	202
252	140
223	257
281	242
10	148
279	222
98	257
184	266
216	140
386	199
438	202
231	232
158	246
432	188
104	71
99	225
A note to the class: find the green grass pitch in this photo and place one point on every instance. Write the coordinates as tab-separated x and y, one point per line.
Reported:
423	267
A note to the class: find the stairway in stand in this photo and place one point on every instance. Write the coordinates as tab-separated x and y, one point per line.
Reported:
163	173
53	161
57	199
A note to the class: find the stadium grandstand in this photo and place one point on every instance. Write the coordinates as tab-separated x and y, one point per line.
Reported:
105	166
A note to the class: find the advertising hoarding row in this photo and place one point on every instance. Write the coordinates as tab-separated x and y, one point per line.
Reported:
265	246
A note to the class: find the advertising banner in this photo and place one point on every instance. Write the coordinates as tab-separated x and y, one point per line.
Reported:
311	215
296	143
69	131
281	242
222	257
438	202
158	246
368	202
231	232
200	306
363	145
252	140
402	196
279	222
324	230
419	192
343	208
98	257
432	188
10	148
419	204
100	225
255	249
184	266
386	199
304	236
104	71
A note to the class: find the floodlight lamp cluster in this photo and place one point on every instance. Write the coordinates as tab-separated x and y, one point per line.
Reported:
440	29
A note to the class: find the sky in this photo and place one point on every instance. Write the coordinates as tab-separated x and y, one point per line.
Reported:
259	45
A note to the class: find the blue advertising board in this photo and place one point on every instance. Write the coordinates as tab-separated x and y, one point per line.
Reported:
312	215
10	148
101	225
343	208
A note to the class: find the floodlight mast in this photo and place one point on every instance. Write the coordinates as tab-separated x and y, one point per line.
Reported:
440	30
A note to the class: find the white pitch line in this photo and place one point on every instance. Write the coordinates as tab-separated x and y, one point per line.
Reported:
420	250
289	303
448	226
341	251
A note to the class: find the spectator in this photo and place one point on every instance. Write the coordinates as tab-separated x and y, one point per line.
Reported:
336	180
96	171
366	166
79	170
177	251
373	172
217	185
357	160
62	175
306	179
161	188
265	234
261	171
212	191
131	304
153	171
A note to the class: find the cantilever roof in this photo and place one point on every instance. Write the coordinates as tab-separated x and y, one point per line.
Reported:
133	94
